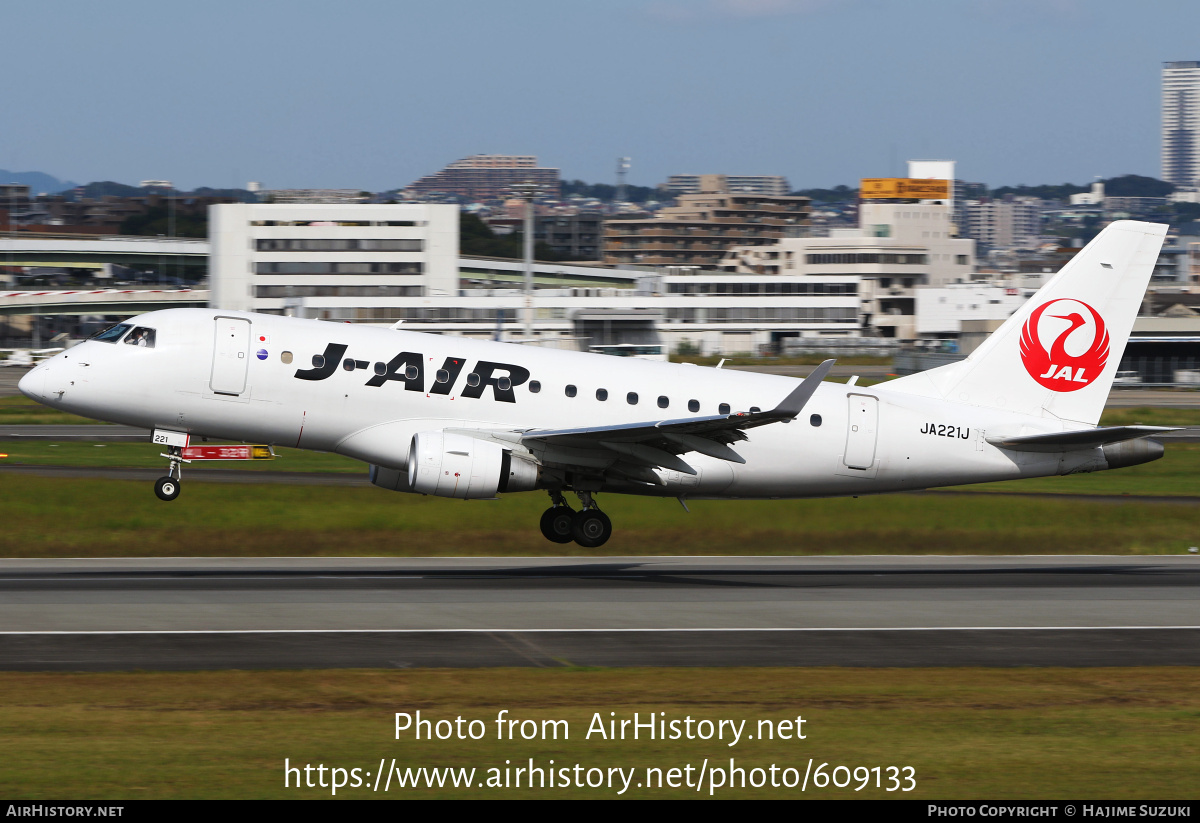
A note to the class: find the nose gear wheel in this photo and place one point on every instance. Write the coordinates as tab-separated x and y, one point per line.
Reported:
167	488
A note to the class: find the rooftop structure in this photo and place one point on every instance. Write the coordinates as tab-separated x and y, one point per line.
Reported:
487	177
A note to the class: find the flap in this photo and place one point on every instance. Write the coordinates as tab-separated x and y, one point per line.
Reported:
1082	439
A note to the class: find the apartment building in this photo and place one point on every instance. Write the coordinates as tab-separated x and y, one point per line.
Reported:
770	185
484	177
1006	222
701	228
1181	123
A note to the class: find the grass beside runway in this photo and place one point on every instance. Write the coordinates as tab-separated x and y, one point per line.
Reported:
1176	474
148	456
18	410
68	517
969	733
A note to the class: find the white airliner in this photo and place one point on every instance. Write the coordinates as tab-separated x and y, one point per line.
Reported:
465	418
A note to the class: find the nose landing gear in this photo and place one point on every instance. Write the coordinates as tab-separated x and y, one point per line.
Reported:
168	488
588	527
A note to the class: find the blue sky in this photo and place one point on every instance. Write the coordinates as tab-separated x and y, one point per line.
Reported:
372	94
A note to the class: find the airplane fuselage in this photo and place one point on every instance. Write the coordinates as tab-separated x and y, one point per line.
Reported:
365	391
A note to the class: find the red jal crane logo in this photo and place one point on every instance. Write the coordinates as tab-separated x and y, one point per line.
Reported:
1059	369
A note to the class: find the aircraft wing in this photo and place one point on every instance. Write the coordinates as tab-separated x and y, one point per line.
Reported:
658	443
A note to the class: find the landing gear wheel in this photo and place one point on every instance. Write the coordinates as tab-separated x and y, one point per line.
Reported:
167	488
591	528
556	524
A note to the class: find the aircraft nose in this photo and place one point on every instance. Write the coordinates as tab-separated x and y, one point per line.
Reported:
33	384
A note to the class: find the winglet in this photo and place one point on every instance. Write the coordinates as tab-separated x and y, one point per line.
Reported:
794	403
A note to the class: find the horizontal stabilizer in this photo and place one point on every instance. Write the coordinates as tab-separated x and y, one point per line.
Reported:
1083	439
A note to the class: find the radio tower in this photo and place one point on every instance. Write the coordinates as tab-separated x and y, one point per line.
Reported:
622	168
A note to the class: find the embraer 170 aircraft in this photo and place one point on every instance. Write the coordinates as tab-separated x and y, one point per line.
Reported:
465	418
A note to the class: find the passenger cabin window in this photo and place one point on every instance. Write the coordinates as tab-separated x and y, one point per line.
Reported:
113	333
601	394
571	391
663	401
472	379
723	408
535	386
631	398
815	420
141	336
442	376
755	409
504	384
286	357
693	405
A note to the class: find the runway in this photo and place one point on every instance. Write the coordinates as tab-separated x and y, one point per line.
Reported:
168	614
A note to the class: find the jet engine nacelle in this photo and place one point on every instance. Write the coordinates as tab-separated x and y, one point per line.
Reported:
1132	452
395	480
455	465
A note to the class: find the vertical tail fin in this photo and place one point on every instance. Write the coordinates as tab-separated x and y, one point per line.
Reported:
1057	355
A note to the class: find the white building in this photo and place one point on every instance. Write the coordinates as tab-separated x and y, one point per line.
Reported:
1181	123
342	262
1093	197
944	312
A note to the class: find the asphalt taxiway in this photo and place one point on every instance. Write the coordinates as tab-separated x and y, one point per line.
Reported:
466	612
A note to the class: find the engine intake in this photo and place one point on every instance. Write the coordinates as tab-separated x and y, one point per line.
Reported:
455	465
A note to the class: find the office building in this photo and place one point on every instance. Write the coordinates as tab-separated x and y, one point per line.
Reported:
1181	123
337	262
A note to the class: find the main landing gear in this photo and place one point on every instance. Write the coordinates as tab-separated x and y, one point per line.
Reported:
168	488
588	527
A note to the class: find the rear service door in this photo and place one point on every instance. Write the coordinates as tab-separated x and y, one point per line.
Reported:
231	355
860	431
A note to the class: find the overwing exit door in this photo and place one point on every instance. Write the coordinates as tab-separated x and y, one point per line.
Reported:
231	355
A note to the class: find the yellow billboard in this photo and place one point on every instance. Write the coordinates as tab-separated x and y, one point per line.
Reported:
904	188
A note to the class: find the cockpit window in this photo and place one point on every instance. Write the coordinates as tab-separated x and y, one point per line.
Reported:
113	333
141	336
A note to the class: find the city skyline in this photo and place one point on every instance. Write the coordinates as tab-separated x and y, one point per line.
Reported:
381	94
